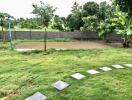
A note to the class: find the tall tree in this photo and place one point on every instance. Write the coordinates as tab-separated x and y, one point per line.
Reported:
57	23
125	5
105	25
76	8
106	11
74	20
44	13
90	8
100	20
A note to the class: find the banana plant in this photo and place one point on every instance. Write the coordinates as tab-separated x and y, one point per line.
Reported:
124	27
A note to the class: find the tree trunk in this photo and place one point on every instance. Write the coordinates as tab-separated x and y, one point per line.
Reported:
107	38
126	43
45	41
30	34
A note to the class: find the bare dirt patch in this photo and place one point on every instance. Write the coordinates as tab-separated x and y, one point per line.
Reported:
64	45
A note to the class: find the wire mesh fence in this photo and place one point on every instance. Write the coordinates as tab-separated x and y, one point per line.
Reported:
37	39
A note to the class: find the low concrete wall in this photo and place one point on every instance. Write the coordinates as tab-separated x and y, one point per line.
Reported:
74	35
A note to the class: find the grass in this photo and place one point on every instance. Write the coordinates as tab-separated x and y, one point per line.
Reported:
42	40
22	74
26	29
48	29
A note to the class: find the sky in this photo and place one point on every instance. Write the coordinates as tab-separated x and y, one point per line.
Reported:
23	8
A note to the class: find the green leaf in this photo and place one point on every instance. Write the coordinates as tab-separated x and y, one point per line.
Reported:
129	31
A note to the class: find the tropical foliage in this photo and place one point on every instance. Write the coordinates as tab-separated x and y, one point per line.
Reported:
125	6
102	18
124	27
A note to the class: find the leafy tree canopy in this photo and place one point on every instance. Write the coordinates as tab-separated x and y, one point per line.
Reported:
57	23
90	8
125	5
44	13
3	18
74	20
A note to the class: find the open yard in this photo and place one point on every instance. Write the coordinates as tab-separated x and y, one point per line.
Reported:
66	50
23	74
68	44
64	45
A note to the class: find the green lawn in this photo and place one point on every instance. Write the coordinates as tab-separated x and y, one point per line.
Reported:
22	74
26	29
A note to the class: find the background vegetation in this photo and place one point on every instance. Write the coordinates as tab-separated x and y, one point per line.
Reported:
102	18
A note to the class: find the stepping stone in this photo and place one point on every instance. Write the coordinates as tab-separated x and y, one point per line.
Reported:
78	76
128	65
60	49
57	49
117	66
60	85
24	50
37	96
92	71
105	69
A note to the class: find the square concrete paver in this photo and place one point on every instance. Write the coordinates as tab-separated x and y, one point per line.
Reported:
128	65
37	96
24	50
78	76
92	71
105	69
60	85
117	66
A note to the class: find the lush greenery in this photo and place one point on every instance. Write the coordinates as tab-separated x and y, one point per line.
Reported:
124	27
44	13
125	5
105	19
29	23
102	18
74	20
4	20
58	23
124	20
22	74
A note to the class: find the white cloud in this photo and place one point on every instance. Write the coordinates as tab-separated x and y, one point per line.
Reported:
23	8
